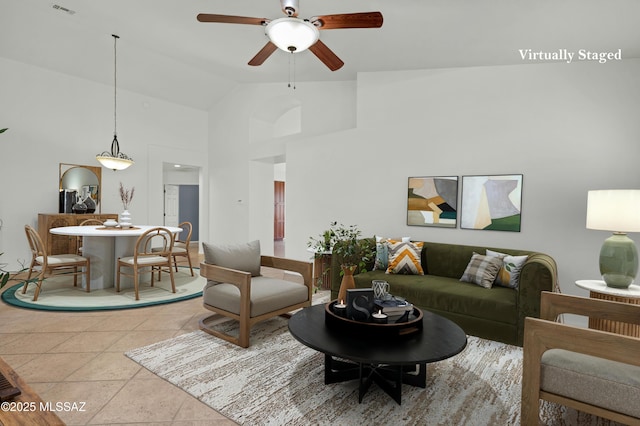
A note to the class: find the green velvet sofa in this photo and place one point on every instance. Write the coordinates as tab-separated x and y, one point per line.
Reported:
495	313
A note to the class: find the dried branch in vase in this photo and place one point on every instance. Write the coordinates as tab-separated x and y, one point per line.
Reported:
126	195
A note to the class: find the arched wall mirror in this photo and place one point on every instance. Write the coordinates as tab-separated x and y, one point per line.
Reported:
79	182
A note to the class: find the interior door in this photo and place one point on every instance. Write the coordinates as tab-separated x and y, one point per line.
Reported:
278	212
171	205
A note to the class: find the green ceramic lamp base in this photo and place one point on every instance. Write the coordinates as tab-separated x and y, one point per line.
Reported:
618	261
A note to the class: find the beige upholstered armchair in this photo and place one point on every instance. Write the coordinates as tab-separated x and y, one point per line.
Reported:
236	289
593	371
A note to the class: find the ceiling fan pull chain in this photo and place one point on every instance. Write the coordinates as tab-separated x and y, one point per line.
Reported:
294	71
289	69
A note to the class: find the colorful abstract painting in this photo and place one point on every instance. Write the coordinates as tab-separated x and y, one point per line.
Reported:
432	201
491	202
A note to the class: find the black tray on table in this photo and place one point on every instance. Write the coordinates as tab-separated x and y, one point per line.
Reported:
372	329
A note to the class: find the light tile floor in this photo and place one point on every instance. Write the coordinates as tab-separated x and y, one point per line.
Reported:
79	357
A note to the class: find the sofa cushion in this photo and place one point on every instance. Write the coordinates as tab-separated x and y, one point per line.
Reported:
509	274
404	257
449	294
382	254
267	295
596	381
242	257
482	270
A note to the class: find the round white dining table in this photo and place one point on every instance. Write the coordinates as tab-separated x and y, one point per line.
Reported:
103	246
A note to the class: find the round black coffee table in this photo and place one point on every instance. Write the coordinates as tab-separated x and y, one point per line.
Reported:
387	362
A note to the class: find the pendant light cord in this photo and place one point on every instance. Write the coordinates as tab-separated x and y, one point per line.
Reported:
115	84
115	159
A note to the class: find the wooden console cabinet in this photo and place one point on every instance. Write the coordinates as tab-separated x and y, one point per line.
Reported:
59	244
33	409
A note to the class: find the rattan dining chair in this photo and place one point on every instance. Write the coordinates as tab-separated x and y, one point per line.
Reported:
181	246
147	260
88	222
53	264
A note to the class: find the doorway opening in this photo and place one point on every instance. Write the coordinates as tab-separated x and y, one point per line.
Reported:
182	198
279	216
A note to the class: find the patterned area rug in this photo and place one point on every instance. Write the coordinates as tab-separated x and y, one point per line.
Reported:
59	294
278	381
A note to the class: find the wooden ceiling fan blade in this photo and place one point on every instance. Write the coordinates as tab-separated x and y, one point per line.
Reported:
263	54
348	20
228	19
326	55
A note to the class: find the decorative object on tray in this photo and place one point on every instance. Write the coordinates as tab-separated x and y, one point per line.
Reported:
491	202
380	289
347	245
340	309
432	201
110	223
374	327
126	195
393	305
360	304
379	317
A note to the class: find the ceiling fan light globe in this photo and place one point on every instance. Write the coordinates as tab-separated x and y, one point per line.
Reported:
292	34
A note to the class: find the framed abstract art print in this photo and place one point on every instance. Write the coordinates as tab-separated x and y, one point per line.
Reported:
491	202
433	201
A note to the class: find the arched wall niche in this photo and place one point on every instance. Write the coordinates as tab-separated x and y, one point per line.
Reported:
276	117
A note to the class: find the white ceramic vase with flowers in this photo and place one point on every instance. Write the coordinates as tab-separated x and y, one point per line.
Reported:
126	195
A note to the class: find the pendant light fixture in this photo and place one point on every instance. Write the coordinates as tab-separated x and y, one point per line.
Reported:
114	159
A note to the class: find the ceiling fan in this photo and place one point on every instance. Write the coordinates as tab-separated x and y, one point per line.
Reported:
293	34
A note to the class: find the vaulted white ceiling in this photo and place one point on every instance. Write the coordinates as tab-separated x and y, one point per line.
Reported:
165	52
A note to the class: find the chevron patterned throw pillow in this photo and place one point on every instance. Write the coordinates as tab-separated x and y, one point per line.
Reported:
404	257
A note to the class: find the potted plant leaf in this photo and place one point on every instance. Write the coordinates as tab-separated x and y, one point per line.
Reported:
6	276
347	244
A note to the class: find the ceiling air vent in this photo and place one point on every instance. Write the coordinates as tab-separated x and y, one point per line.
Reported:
64	9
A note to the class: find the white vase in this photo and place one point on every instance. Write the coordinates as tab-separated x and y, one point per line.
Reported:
125	219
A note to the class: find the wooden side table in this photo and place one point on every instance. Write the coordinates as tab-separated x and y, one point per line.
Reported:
321	265
599	290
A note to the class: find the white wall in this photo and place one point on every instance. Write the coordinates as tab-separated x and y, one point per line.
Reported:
241	164
566	128
55	118
181	177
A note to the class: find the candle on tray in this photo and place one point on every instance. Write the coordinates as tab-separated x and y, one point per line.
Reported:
340	309
379	317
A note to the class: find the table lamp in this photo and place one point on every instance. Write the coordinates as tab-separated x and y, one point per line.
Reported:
616	210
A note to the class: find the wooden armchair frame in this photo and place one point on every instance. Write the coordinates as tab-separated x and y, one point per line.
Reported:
543	334
242	280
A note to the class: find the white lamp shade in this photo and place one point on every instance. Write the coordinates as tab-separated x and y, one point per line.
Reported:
616	210
114	163
292	34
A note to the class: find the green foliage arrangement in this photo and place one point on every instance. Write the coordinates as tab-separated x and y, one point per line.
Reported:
5	276
3	130
346	243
